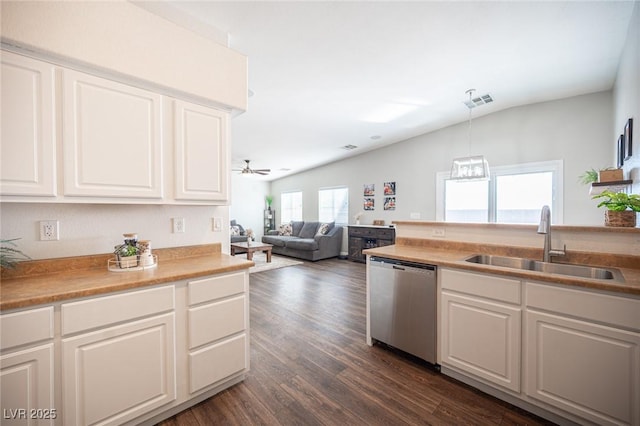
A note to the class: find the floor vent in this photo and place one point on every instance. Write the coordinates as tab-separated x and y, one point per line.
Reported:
479	100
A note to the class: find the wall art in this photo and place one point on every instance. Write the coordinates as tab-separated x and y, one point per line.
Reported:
369	203
389	203
389	188
369	190
628	139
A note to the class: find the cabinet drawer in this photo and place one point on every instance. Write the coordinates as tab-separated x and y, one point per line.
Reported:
604	308
216	287
212	322
386	234
362	232
20	328
216	362
102	311
489	286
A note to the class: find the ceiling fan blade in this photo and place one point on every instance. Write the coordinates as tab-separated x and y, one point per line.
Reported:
261	172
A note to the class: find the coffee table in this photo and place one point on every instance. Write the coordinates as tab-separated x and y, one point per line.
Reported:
251	248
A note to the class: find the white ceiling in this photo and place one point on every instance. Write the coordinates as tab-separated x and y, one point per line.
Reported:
334	73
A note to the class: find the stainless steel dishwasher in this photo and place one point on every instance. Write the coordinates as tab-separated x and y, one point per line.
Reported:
403	306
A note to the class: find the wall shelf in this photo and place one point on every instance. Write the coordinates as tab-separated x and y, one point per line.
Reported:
615	186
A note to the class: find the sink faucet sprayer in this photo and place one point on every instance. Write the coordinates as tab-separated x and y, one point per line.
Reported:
545	228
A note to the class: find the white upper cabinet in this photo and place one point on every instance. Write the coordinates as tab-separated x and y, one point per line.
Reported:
201	157
112	139
27	152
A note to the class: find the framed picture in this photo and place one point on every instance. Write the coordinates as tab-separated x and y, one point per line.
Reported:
389	188
620	151
389	203
369	190
369	204
628	139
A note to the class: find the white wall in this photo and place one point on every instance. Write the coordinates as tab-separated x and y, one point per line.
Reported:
248	202
627	98
96	228
576	130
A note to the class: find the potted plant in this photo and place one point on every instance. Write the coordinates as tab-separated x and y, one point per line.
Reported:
127	256
10	255
621	208
608	174
269	200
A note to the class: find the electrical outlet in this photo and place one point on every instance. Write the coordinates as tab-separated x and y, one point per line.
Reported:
178	225
49	230
217	224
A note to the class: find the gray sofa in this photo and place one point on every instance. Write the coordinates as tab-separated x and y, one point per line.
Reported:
306	241
240	238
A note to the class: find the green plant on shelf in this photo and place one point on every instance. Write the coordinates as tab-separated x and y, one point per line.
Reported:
619	201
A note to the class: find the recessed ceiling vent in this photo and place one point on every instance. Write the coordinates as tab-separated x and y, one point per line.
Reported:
479	100
349	147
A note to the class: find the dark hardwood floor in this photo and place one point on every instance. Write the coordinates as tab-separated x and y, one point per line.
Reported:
310	364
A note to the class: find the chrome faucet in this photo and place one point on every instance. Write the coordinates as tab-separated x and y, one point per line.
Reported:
545	228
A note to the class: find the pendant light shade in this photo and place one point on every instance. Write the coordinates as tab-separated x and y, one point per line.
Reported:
473	167
470	168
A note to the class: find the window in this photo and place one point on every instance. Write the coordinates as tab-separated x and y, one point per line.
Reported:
333	205
515	194
291	206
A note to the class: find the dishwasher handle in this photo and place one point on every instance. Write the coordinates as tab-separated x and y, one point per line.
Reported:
399	264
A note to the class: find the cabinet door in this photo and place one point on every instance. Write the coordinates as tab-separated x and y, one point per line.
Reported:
201	163
116	374
26	381
27	152
587	369
481	337
355	249
112	139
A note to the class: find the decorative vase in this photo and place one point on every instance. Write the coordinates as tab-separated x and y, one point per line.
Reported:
626	218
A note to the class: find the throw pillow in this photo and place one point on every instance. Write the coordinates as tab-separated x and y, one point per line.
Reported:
234	230
285	229
324	229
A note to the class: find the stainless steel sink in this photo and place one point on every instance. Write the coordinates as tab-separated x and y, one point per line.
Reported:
551	268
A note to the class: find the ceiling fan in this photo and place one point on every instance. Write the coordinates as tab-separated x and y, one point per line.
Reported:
249	171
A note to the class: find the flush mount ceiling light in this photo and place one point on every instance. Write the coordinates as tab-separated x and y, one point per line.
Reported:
472	167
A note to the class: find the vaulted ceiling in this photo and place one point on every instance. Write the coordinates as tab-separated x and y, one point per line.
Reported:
325	75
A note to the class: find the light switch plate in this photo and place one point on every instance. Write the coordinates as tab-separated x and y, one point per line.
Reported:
217	224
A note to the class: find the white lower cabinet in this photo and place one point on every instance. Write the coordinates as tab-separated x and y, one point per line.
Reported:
480	327
27	371
132	357
117	374
580	362
218	319
572	352
118	356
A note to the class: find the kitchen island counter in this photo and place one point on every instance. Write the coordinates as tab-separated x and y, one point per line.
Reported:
453	254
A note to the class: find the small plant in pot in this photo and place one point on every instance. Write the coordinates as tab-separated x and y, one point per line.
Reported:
621	208
127	256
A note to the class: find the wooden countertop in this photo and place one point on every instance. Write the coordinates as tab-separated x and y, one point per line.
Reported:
453	255
48	281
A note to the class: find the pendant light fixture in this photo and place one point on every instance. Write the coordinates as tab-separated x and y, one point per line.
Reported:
472	167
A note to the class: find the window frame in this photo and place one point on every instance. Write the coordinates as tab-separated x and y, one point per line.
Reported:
556	167
282	206
333	188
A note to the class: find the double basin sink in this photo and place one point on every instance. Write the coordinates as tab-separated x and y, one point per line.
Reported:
551	268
